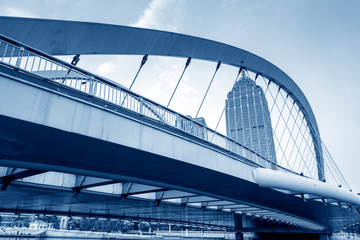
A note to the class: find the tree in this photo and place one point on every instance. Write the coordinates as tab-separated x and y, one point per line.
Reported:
144	226
74	224
97	225
55	222
115	225
126	226
107	226
20	222
176	228
86	224
26	222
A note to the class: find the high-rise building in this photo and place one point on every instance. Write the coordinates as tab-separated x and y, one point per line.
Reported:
248	119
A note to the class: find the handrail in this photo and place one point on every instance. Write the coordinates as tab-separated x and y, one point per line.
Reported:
28	59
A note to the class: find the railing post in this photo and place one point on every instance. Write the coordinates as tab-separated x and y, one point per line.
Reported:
91	89
177	121
141	106
18	60
203	134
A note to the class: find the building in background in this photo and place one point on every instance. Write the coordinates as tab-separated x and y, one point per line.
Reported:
248	119
197	127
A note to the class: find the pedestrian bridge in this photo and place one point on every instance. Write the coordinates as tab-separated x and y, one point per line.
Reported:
74	143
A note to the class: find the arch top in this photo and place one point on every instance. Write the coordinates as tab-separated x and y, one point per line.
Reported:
59	37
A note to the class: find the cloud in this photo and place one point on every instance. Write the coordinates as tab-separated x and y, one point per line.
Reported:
187	89
105	68
163	83
18	12
160	14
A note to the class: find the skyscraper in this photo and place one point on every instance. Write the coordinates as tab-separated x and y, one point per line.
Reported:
248	119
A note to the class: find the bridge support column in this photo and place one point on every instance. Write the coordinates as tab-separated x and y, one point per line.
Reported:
242	223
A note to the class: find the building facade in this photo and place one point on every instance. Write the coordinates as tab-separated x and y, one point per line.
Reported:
248	118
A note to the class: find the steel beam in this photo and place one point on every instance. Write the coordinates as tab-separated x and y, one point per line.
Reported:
16	175
198	199
173	194
130	188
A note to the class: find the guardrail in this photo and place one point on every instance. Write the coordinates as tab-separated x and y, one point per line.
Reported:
27	59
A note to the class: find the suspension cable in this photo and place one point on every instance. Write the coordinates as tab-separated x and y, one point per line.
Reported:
143	61
186	65
222	113
74	61
207	90
331	162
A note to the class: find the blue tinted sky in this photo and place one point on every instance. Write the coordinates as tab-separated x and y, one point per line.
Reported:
314	42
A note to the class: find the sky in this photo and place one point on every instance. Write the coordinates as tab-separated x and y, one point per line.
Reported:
315	42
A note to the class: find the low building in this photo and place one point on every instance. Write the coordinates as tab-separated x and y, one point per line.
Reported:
39	224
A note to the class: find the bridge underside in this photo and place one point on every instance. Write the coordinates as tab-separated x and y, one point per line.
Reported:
42	148
23	198
57	201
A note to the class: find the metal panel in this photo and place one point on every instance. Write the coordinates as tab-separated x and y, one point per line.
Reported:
198	199
4	171
135	188
15	175
171	194
88	182
220	203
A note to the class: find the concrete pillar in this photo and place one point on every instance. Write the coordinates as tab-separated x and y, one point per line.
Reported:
243	223
238	227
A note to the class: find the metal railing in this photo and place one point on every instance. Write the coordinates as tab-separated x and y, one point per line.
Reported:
29	60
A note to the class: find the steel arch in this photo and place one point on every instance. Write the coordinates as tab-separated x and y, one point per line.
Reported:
59	37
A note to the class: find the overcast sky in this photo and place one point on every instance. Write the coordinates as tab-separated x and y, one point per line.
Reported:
315	42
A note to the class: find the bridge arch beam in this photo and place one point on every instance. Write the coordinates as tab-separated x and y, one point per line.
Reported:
59	37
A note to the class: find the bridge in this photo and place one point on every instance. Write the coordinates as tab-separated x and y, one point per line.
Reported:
74	143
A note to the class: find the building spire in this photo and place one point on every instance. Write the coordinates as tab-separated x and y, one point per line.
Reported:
243	73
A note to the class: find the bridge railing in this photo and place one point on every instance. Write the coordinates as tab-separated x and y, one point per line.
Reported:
27	59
